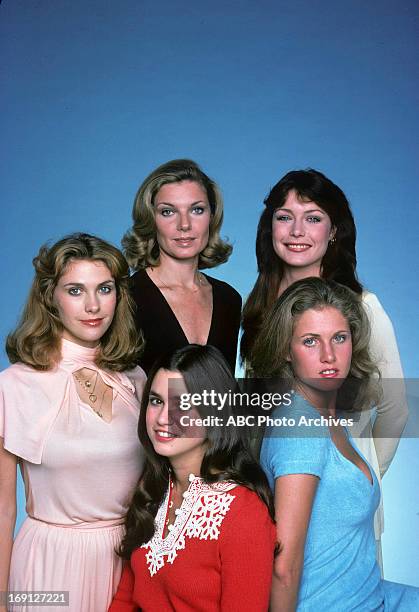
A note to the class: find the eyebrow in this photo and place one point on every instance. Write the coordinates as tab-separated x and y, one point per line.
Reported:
154	394
174	205
312	210
106	282
340	331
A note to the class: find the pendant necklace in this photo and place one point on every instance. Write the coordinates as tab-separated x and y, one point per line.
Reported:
87	386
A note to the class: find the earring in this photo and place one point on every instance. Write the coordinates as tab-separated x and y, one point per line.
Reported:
332	240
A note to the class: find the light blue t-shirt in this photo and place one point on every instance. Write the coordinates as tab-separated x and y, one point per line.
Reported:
340	572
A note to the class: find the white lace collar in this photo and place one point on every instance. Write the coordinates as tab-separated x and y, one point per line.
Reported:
201	514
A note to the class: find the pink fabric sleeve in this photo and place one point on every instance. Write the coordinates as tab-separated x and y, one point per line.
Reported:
28	407
138	378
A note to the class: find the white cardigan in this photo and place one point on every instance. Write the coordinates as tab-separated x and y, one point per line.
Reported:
378	439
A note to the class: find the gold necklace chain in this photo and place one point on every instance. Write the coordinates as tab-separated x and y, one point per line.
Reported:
85	385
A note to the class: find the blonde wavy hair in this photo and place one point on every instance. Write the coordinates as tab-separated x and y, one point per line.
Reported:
140	242
270	353
36	341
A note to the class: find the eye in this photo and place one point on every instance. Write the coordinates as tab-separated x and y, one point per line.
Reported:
340	338
309	341
74	291
282	217
198	210
154	401
105	289
166	212
314	219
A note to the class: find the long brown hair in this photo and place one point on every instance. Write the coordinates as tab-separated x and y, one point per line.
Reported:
226	456
339	261
37	337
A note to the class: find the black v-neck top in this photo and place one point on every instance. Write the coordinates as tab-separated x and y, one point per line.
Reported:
162	331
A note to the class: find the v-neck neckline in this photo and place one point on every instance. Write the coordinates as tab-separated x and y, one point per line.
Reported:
369	480
173	315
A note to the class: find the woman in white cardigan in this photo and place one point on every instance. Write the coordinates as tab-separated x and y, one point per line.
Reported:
307	229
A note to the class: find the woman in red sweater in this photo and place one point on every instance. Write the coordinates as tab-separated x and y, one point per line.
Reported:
200	533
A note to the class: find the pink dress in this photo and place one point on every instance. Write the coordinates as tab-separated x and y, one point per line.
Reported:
79	473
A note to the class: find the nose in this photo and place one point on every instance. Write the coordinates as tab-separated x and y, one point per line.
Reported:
327	353
163	416
184	222
92	303
297	228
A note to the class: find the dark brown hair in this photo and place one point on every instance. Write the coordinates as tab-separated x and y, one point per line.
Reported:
339	261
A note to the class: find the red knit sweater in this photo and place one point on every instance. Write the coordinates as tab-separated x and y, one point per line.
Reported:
218	557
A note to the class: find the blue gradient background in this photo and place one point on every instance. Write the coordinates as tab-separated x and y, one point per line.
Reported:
96	94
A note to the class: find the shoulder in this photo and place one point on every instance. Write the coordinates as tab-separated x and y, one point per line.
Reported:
225	290
18	372
295	441
138	378
289	415
247	500
139	278
248	515
137	374
370	300
378	317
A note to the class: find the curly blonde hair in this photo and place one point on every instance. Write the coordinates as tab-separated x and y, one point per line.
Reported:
36	341
270	353
140	242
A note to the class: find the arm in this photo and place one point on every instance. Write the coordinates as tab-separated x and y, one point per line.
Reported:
123	598
294	495
247	551
392	411
8	464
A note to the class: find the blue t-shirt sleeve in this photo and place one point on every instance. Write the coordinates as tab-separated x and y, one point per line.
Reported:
294	450
284	455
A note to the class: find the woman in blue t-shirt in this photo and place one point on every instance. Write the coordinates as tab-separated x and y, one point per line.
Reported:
316	338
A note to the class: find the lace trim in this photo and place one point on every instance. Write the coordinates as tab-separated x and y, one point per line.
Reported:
201	514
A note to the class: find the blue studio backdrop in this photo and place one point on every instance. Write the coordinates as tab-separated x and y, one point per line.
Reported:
96	94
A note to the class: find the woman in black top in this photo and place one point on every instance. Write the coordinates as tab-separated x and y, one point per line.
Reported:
177	217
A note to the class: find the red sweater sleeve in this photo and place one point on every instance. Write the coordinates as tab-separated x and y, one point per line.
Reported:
247	554
122	601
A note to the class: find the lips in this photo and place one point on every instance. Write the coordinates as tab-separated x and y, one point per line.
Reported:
297	247
185	241
92	322
329	373
164	436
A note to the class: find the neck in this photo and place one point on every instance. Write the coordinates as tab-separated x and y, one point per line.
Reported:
324	402
182	469
293	274
173	272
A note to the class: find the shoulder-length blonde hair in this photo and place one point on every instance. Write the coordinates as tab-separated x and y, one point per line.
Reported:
36	341
270	354
140	242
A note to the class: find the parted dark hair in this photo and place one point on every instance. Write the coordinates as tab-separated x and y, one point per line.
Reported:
226	456
140	242
270	353
339	261
36	341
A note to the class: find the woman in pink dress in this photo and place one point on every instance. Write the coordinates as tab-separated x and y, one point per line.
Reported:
69	408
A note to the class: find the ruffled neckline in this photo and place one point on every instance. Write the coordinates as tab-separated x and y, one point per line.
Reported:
73	352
